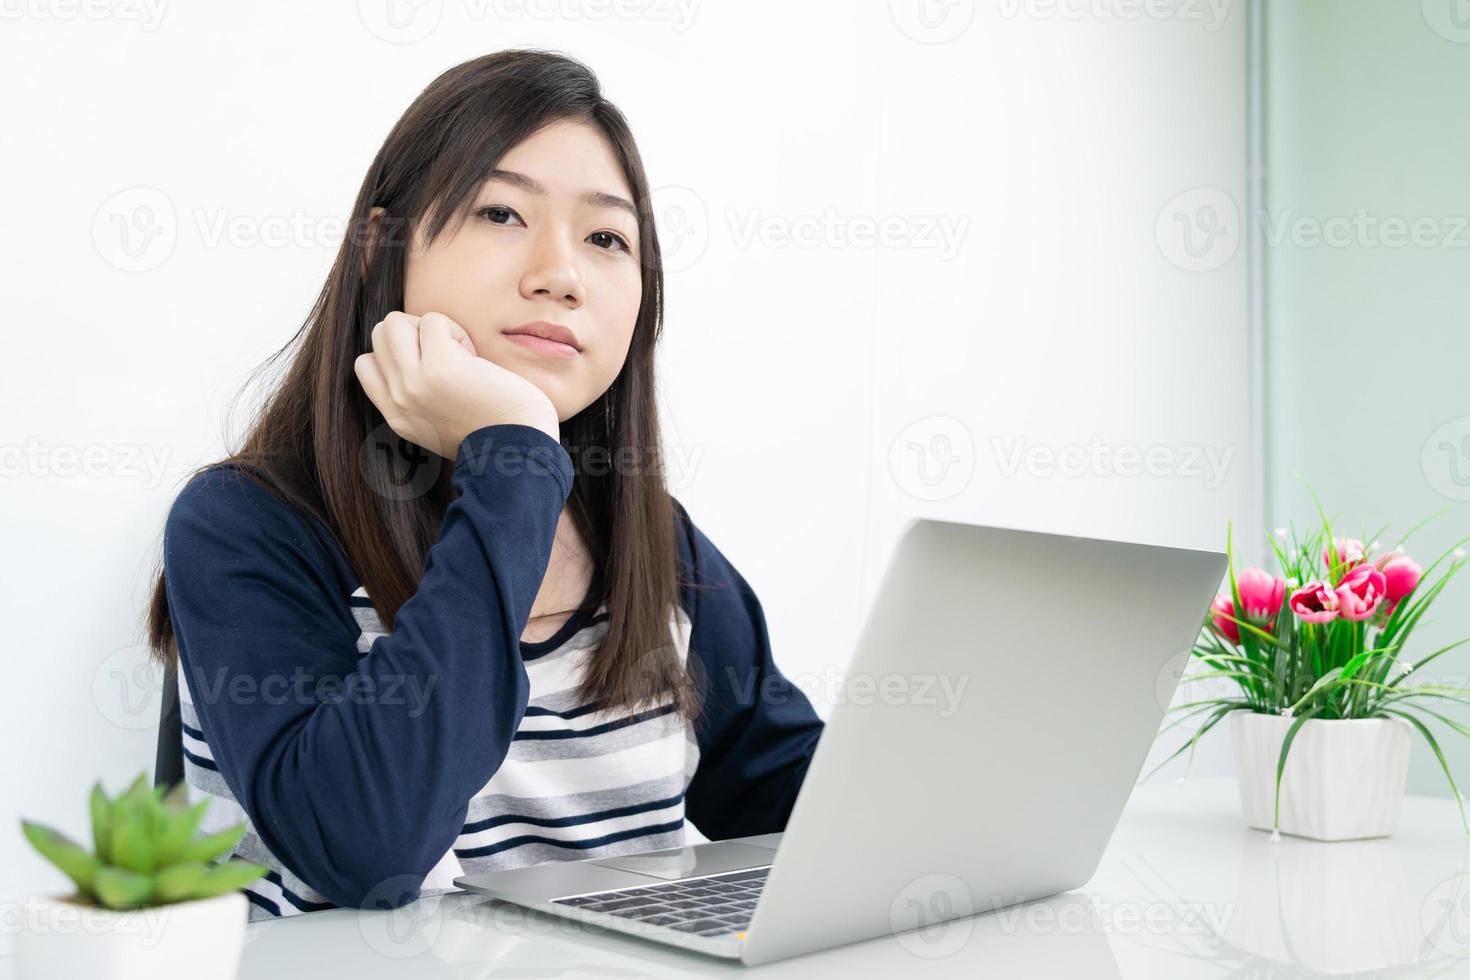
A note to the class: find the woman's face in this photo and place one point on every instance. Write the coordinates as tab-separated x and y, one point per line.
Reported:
552	236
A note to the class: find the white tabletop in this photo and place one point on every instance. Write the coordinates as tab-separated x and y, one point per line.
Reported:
1185	890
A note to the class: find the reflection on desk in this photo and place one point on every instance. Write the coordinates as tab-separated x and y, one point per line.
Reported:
1185	890
462	935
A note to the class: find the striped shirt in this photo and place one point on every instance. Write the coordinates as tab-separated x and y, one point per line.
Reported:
457	732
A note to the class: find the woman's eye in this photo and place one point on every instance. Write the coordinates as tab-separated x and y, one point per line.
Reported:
497	214
616	240
606	240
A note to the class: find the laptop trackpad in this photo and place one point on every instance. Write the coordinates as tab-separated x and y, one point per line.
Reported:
693	861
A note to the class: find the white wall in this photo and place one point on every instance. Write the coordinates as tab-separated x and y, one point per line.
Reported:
799	379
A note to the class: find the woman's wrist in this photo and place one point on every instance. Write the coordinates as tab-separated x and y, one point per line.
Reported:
547	423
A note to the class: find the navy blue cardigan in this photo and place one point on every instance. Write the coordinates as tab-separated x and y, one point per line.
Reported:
351	791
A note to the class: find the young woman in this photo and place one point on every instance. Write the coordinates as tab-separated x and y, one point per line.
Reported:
411	637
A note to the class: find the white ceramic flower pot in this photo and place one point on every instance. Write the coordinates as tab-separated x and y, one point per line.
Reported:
1344	780
201	940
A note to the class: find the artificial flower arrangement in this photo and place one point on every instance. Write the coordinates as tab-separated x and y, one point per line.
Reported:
1324	640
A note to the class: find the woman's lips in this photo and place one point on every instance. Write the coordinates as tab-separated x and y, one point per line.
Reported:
551	348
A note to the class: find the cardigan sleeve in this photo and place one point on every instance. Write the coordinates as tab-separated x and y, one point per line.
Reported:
356	769
757	731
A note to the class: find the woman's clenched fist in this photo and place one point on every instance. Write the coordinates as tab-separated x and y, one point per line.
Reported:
434	389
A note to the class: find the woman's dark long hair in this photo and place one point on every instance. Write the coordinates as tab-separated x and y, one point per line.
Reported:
304	444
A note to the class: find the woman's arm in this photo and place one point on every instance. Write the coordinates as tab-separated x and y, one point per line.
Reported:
360	792
757	731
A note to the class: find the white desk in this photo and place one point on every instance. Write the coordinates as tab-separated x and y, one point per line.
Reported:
1185	890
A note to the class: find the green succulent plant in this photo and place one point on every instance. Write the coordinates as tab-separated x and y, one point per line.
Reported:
147	850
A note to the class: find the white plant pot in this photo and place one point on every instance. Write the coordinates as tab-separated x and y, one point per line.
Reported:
201	940
1344	780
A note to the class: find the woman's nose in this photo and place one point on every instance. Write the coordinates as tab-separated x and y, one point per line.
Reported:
552	274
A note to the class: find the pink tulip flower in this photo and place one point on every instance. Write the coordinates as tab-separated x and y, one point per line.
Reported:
1221	608
1261	594
1349	552
1360	592
1401	574
1315	602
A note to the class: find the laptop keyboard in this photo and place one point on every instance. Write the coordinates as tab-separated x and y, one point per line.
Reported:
713	906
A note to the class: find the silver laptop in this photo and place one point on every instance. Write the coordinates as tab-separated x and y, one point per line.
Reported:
1005	691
